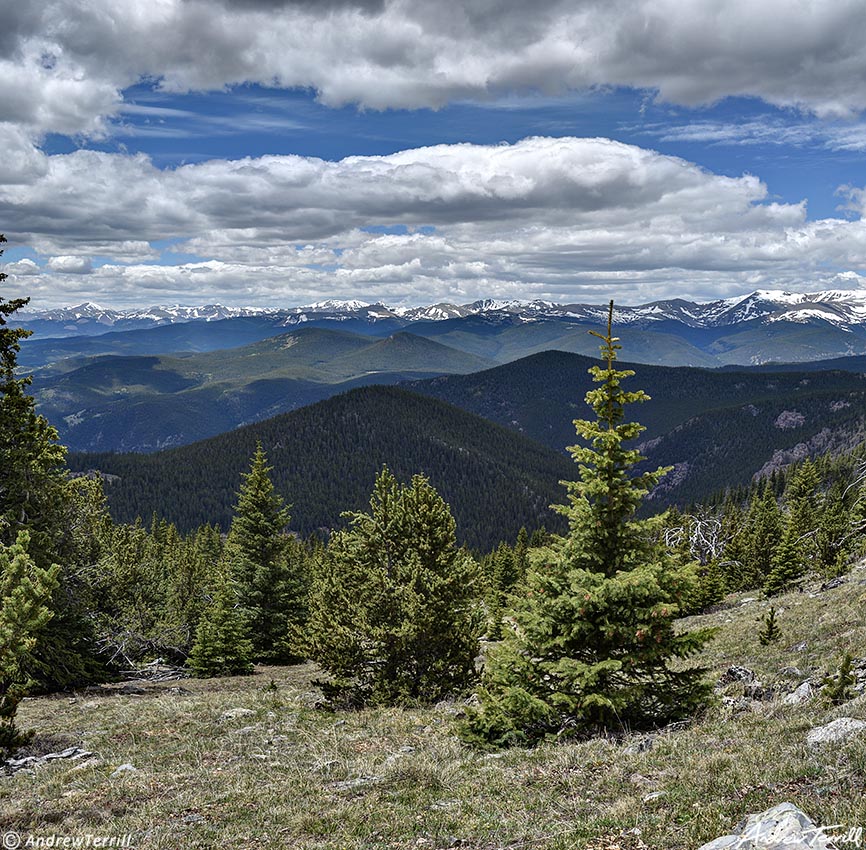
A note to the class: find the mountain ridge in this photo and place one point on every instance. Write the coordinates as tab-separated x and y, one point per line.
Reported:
838	307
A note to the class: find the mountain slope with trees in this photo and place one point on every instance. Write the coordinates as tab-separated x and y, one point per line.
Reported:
717	428
326	457
146	403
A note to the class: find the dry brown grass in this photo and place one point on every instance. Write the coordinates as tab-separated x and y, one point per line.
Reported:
283	776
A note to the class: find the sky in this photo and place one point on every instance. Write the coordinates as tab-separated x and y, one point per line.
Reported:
281	152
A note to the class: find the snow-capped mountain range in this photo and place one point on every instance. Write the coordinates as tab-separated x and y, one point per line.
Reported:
842	308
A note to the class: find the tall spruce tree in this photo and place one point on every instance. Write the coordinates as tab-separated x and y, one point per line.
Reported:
787	565
764	533
270	568
591	645
25	595
394	617
36	497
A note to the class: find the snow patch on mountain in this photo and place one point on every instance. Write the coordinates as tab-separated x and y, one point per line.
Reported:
842	308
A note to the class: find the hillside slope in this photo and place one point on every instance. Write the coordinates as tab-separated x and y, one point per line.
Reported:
718	428
399	778
146	403
326	456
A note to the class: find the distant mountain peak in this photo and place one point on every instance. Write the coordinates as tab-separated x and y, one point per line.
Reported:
842	308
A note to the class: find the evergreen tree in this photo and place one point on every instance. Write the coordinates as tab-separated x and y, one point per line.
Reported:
764	530
504	576
521	556
222	645
36	497
769	631
593	642
833	538
839	687
786	565
801	496
25	594
394	617
269	567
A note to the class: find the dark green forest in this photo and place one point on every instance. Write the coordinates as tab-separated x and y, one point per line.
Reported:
326	458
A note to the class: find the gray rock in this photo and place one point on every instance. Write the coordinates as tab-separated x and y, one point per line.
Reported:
791	673
235	713
802	693
784	827
737	674
357	782
835	732
125	768
32	762
799	647
759	692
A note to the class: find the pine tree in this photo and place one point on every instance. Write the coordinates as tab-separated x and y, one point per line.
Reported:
222	645
521	556
504	576
269	567
833	538
764	531
769	631
786	565
591	646
36	497
394	617
838	687
25	595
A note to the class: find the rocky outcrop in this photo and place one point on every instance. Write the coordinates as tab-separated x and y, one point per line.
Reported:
784	827
835	732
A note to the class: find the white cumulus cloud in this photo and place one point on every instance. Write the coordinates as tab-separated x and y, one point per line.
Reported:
560	218
66	64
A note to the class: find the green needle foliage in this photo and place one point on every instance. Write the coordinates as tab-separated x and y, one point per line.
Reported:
37	497
222	645
787	565
839	687
394	617
769	631
25	595
591	645
269	566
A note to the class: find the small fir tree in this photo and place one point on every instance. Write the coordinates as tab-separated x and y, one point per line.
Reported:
25	595
786	565
834	538
394	615
503	570
222	645
769	631
764	525
838	687
591	646
269	566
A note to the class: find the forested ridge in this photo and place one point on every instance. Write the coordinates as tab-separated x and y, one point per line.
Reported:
326	457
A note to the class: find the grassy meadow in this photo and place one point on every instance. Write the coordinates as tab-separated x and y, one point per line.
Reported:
281	772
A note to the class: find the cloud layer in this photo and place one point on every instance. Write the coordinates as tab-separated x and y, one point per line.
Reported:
65	64
559	218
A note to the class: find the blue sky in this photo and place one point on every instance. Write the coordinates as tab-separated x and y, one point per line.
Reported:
280	152
250	120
